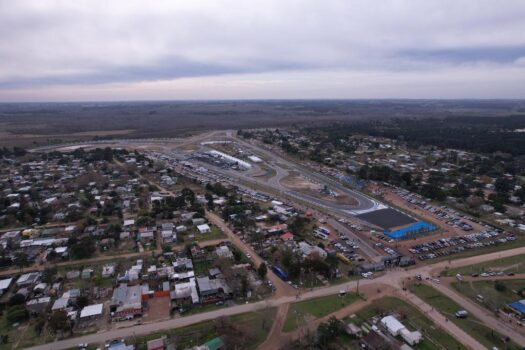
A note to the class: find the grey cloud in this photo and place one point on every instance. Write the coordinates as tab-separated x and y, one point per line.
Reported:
466	55
49	43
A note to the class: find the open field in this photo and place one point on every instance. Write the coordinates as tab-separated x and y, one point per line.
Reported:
493	299
10	139
471	325
214	234
514	264
53	122
22	336
250	329
434	338
304	311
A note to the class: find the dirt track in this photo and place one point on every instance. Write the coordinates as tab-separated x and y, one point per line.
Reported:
282	288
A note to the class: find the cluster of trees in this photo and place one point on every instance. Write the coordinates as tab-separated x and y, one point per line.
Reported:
98	154
327	336
164	208
14	152
432	189
296	265
495	137
300	225
477	134
386	174
81	249
238	207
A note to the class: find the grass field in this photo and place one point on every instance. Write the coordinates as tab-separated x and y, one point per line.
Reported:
250	329
434	338
215	233
22	336
493	299
202	267
485	335
515	264
304	311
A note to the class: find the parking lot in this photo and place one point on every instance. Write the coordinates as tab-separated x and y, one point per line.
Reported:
453	245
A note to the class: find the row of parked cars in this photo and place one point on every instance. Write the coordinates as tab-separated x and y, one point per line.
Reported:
386	249
347	248
443	213
440	247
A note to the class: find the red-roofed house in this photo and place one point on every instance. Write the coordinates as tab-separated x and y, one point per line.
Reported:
288	236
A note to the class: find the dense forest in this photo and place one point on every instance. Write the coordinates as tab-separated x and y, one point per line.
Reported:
477	134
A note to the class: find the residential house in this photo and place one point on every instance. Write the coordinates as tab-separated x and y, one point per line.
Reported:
126	301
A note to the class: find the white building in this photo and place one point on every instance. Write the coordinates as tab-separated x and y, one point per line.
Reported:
204	228
396	328
92	311
4	285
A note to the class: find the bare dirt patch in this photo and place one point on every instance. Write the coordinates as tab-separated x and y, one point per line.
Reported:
158	309
299	183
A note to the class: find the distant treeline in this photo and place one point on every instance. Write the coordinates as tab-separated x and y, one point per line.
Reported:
477	134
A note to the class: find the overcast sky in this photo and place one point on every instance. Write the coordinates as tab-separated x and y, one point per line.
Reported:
196	49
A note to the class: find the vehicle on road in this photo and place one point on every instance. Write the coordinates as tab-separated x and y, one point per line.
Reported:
280	273
462	314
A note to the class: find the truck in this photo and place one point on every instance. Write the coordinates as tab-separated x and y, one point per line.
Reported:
343	259
320	234
324	230
280	273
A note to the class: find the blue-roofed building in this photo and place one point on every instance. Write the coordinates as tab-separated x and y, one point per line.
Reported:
417	229
119	345
518	307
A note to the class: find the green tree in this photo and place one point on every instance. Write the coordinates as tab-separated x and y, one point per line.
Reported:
82	301
83	249
21	260
39	325
262	270
59	322
500	286
328	332
17	313
49	274
17	299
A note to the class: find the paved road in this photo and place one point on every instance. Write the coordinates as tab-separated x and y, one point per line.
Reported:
482	314
284	295
363	202
393	278
440	320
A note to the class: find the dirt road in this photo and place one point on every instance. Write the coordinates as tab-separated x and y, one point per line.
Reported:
276	338
392	278
282	288
102	258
